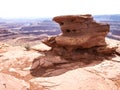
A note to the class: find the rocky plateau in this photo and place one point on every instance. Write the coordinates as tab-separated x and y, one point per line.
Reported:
83	60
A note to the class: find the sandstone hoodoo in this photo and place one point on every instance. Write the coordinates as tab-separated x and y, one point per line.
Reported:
81	31
82	40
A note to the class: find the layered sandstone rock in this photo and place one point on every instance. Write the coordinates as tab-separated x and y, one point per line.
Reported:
81	31
21	69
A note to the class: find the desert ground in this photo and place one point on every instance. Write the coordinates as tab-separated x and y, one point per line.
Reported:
26	63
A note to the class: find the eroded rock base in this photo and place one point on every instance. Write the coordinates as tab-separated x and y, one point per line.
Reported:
23	69
61	59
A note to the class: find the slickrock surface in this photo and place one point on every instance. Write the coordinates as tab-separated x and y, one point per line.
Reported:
32	70
41	47
78	79
8	82
83	60
15	65
79	29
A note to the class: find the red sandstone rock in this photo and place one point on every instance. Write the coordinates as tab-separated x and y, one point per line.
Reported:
78	79
81	31
73	18
85	68
97	73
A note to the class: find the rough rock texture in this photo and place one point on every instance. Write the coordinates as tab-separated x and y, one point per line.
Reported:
118	50
35	70
67	67
98	73
15	65
41	47
81	38
78	79
81	31
8	82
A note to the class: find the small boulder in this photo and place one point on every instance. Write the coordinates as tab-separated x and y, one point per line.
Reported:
78	79
41	47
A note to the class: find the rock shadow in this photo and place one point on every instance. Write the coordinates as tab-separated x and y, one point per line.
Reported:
58	62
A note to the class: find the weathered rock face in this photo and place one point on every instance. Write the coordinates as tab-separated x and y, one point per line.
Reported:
22	69
62	67
81	31
77	79
8	82
118	50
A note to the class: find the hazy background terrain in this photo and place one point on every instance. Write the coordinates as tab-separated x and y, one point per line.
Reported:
39	28
28	64
31	20
114	21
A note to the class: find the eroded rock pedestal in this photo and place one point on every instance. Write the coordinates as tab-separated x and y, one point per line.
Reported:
80	32
82	41
65	65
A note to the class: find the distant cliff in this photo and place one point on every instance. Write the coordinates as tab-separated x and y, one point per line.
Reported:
115	17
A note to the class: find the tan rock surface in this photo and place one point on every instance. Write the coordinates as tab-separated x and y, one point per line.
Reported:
80	41
89	71
17	57
81	31
41	47
78	79
92	71
73	18
79	59
15	65
118	50
8	82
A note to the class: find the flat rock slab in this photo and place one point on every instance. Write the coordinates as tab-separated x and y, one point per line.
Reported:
78	79
73	18
8	82
41	47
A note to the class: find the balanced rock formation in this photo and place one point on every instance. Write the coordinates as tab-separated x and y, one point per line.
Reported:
81	38
81	31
